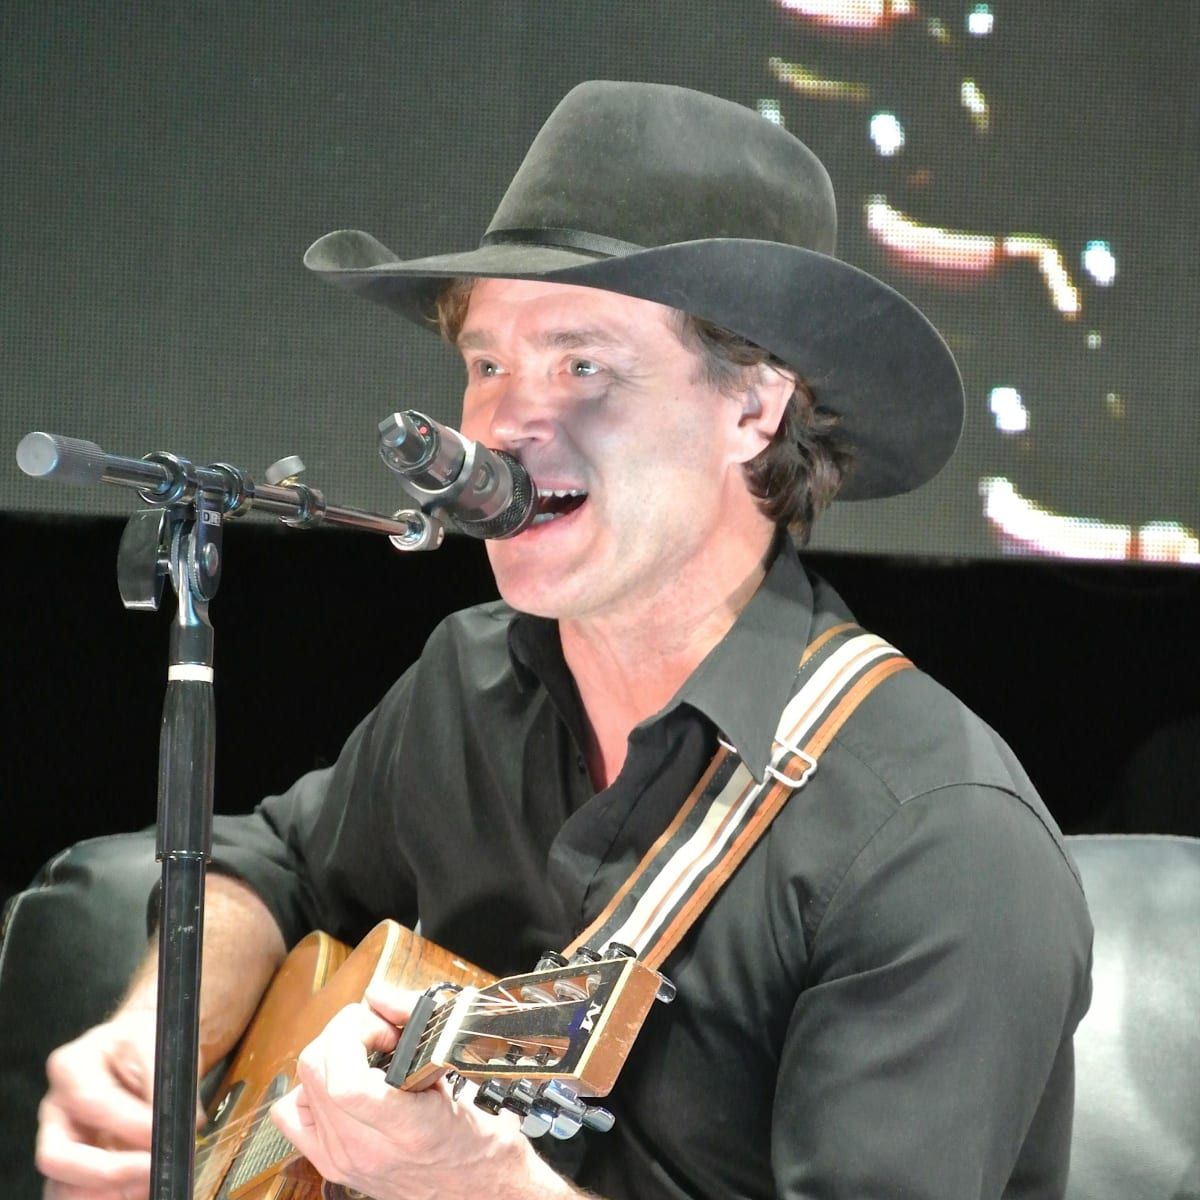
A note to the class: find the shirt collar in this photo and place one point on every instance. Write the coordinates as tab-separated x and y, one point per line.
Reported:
741	685
744	682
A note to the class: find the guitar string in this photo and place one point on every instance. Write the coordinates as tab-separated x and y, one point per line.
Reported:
481	1000
507	1004
234	1129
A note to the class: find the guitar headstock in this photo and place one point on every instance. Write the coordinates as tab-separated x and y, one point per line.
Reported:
561	1031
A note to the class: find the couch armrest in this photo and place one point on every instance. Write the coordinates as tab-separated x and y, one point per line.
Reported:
69	944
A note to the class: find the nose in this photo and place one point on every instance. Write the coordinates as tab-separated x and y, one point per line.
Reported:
515	415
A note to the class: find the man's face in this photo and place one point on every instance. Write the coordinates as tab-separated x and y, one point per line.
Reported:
597	396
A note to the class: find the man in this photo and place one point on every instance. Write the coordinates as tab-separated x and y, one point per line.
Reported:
880	1001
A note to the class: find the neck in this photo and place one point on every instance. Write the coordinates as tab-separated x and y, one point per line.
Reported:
628	664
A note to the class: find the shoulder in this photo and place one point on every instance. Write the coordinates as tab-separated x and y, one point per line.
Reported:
917	737
465	654
470	646
918	790
924	746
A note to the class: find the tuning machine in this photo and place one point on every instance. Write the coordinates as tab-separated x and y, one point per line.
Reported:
554	1108
666	989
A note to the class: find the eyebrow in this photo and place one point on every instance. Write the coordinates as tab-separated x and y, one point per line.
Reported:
551	339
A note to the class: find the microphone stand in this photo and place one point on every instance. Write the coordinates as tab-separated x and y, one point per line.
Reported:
180	537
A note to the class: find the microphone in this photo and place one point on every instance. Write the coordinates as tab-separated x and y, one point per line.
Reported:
486	493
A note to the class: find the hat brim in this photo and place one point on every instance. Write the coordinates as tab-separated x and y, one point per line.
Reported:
867	353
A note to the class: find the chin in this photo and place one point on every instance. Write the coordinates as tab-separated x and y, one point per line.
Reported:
531	592
522	586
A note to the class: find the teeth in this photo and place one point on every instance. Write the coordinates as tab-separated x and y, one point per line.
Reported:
563	493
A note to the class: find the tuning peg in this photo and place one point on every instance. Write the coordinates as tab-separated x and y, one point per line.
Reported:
599	1119
545	1118
520	1098
554	1108
562	1096
490	1096
558	1109
537	1122
619	950
457	1082
666	990
538	993
583	956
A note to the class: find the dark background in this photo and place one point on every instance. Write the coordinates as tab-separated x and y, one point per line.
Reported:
1078	667
165	166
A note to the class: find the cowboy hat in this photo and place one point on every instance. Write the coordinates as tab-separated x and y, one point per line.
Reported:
687	200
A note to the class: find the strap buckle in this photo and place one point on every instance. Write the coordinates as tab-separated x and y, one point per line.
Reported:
794	783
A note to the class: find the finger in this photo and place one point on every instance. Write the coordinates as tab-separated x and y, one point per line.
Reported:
126	1122
394	1004
316	1135
100	1103
293	1117
335	1064
61	1155
352	1034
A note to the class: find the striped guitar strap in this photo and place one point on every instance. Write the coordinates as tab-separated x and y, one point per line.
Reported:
729	810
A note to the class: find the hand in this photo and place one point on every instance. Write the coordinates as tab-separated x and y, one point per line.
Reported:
94	1123
358	1130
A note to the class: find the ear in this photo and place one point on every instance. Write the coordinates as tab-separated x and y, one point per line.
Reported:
764	398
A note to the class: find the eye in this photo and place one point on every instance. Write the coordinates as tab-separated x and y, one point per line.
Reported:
486	368
583	367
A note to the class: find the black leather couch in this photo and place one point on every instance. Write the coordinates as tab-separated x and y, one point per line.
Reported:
72	938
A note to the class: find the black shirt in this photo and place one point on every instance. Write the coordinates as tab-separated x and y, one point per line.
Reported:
879	1003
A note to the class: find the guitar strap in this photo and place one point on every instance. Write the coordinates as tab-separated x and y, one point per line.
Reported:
729	810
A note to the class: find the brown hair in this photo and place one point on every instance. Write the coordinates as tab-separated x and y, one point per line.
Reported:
800	471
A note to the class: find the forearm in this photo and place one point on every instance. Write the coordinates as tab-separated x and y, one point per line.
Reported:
242	949
542	1182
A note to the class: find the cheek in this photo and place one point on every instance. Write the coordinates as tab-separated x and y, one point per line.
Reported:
473	422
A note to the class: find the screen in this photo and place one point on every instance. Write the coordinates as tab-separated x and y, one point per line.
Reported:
1025	173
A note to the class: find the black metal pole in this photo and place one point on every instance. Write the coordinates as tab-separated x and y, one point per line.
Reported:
182	536
187	749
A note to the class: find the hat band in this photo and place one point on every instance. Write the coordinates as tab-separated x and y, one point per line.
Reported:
564	239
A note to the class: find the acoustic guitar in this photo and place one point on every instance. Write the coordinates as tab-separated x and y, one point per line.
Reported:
538	1044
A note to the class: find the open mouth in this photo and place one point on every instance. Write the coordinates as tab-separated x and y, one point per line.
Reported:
554	504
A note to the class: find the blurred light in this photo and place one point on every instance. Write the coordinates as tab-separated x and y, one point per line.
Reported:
938	30
887	133
1115	403
851	14
1094	340
1063	293
928	244
980	21
954	250
816	86
1167	541
770	111
975	102
1009	410
1025	527
1099	263
1022	526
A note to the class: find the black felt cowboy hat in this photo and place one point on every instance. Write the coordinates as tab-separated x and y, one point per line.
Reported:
678	197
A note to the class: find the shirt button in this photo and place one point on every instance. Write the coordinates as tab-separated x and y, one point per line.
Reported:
580	763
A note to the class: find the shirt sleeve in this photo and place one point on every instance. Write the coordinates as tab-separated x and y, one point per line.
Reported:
327	854
929	1054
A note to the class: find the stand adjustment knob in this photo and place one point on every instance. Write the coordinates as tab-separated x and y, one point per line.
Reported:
285	471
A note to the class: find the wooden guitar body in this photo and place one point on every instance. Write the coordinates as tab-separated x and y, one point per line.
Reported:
240	1155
